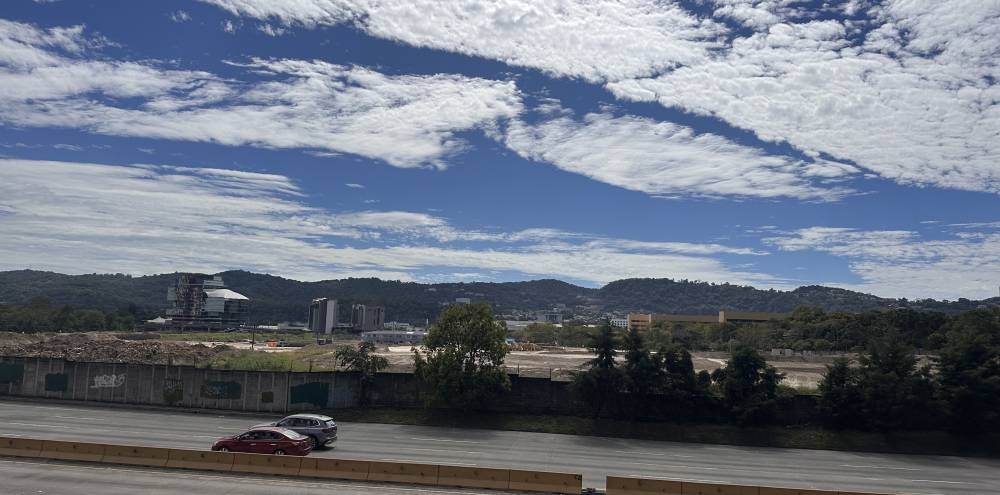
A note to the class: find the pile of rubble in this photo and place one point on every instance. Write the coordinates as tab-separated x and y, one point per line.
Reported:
105	348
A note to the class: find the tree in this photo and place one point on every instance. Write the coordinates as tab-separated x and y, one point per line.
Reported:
749	386
463	367
363	361
840	395
969	372
602	381
643	373
895	394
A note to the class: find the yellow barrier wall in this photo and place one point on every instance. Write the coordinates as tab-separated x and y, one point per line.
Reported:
537	481
72	451
792	491
337	469
717	489
473	477
135	456
20	447
288	465
617	485
401	472
201	459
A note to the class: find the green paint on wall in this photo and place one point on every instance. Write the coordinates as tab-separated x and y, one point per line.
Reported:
221	390
173	391
315	393
56	382
11	372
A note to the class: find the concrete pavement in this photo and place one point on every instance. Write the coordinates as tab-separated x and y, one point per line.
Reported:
593	457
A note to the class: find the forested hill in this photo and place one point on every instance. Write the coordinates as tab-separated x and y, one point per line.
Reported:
280	299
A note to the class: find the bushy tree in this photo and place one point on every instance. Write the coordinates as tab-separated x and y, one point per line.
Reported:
602	381
969	372
840	395
895	393
463	362
643	373
363	361
749	386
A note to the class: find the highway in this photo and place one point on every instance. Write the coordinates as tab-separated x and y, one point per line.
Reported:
34	477
593	457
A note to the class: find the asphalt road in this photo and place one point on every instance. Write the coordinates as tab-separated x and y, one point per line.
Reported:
24	477
593	457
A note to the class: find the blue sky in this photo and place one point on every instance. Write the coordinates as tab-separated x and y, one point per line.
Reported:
774	143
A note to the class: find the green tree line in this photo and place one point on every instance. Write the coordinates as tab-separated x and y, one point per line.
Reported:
41	316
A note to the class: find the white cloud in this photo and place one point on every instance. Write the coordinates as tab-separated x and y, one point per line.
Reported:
897	263
407	121
917	101
595	40
154	219
354	186
180	16
273	31
229	27
661	158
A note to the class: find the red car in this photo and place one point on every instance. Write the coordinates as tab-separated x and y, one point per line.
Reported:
265	440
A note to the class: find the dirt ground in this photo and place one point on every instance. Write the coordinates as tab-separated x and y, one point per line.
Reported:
104	347
559	362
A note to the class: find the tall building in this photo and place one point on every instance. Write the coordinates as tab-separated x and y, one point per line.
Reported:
367	318
203	301
323	315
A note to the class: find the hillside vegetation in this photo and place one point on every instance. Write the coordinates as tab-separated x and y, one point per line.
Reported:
279	299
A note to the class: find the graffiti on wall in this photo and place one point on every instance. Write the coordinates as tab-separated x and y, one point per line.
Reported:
56	382
11	372
108	381
173	391
315	393
221	390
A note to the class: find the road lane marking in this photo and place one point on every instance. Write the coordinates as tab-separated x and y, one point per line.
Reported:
412	461
658	454
443	440
444	450
879	467
941	481
672	466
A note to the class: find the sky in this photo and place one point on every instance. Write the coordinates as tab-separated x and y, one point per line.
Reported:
772	143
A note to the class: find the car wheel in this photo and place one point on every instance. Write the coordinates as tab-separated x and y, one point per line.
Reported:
313	443
223	449
279	452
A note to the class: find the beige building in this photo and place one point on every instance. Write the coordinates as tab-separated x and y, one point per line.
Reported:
644	321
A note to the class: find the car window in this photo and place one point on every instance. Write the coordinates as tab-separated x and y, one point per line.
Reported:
313	423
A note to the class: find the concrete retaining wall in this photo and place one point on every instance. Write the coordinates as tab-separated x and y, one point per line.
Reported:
263	391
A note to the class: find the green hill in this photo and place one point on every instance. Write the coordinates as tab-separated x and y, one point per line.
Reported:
279	299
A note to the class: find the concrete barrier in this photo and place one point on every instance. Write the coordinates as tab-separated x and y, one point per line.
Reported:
135	456
403	472
473	477
20	447
201	459
764	490
336	469
72	451
538	481
717	489
617	485
288	465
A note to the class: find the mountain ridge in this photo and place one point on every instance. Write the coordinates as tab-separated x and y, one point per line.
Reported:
280	299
